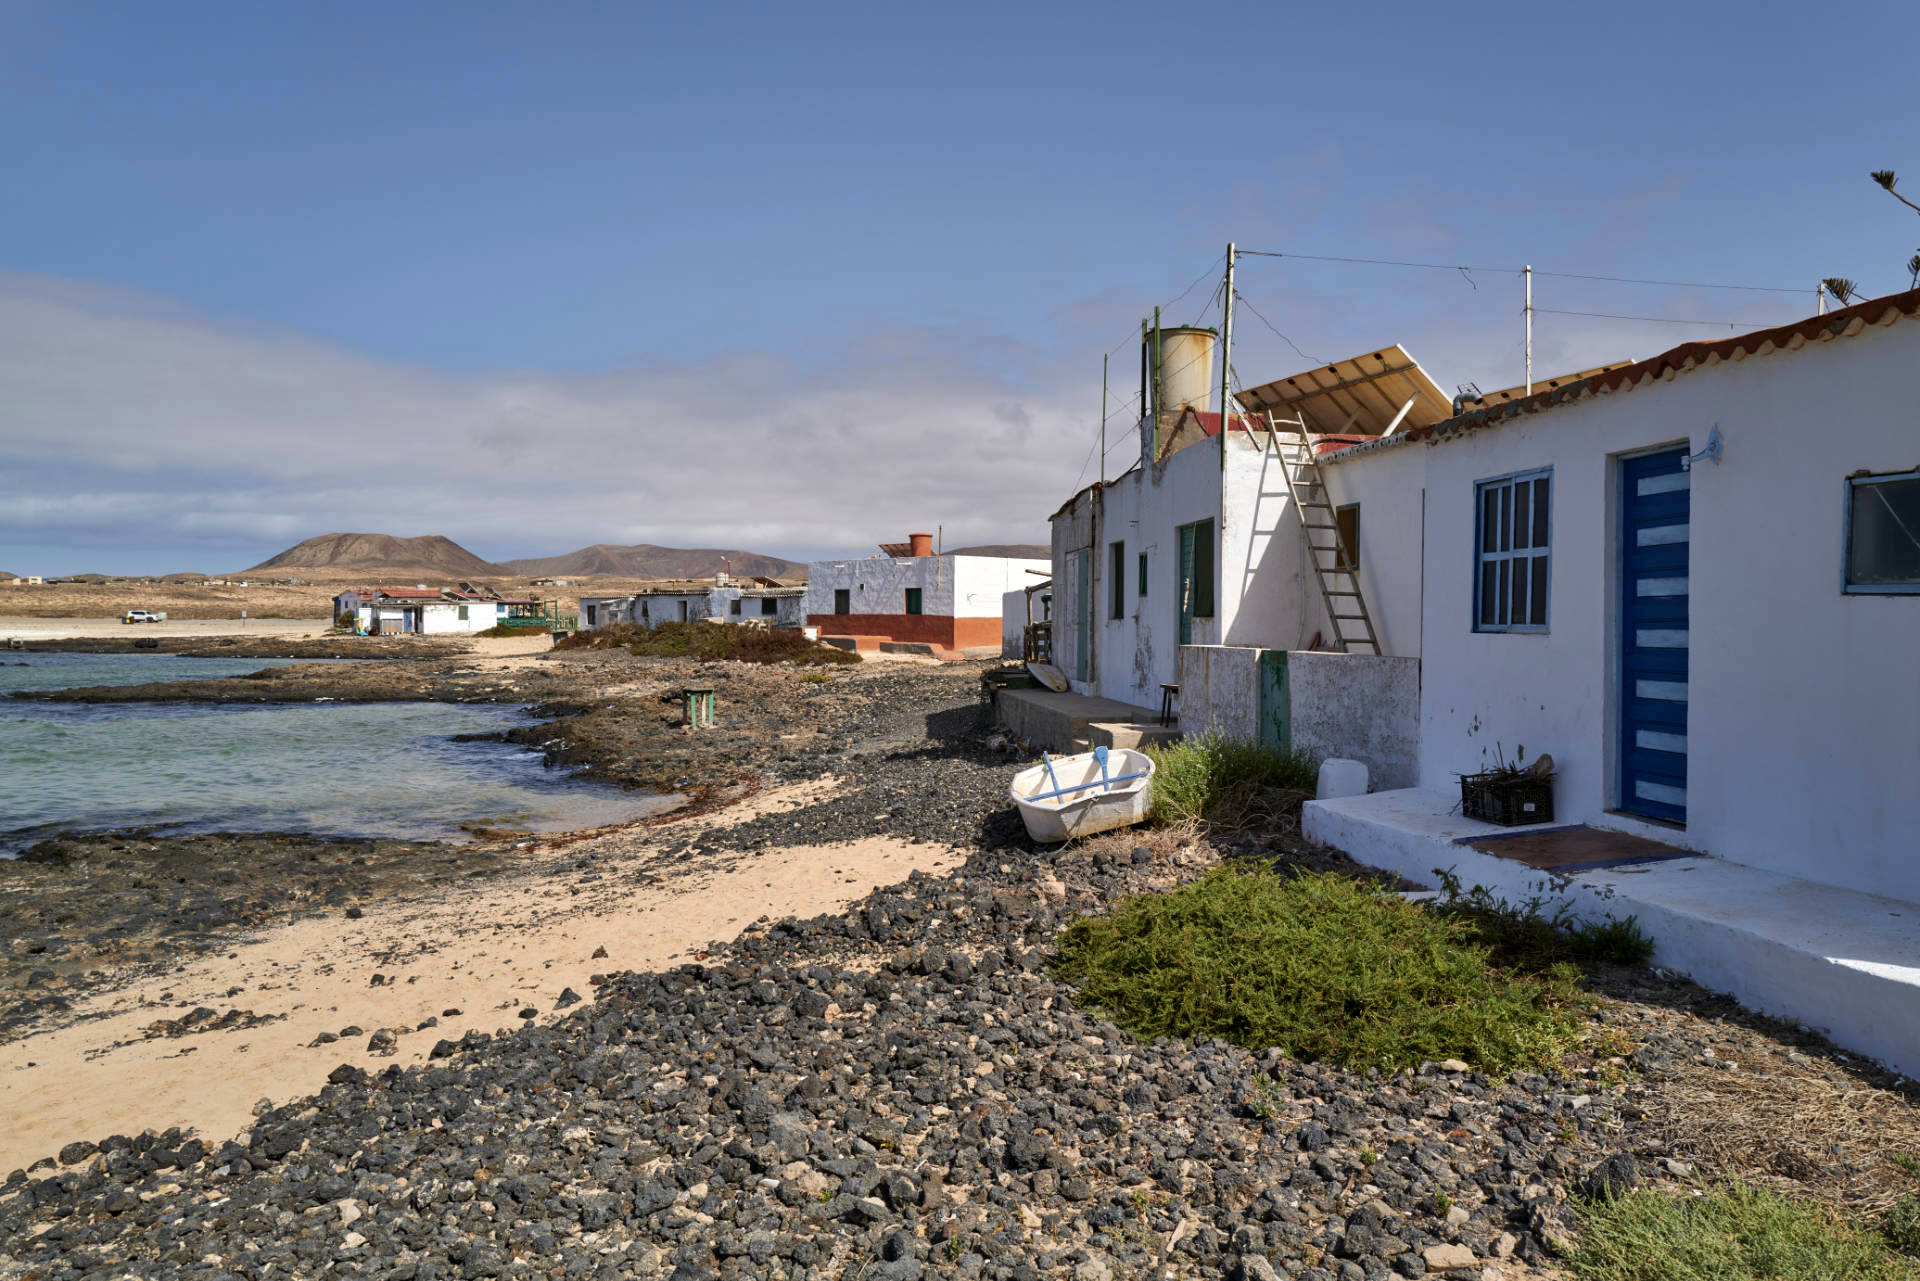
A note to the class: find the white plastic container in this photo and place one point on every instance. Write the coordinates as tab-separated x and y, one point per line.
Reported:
1341	778
1086	810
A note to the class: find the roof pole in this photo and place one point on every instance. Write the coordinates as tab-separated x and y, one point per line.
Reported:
1156	382
1527	271
1820	293
1226	354
1103	416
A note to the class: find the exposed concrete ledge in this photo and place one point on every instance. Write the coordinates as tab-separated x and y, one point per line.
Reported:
1066	722
1842	962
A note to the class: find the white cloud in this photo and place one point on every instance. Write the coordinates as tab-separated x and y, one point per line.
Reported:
151	435
120	410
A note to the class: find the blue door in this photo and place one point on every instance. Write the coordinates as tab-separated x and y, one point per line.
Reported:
1653	644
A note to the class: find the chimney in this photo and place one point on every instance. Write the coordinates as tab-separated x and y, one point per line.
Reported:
922	544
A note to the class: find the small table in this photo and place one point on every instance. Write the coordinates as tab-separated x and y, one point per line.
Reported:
697	706
1167	694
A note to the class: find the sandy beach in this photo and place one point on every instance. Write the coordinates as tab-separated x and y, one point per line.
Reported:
488	951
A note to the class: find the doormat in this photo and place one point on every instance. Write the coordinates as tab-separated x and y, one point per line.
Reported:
1576	849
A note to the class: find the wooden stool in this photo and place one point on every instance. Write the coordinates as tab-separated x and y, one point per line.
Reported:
697	706
1167	694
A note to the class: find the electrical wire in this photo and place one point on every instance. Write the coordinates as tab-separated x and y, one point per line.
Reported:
1655	320
1559	275
1242	299
1168	306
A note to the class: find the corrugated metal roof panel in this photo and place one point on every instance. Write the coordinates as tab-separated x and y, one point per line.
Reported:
1362	395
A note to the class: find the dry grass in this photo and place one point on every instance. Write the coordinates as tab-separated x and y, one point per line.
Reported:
1802	1129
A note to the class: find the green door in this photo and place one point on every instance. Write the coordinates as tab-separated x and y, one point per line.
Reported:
1186	584
1276	713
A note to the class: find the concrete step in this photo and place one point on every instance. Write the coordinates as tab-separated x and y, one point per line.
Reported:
1844	963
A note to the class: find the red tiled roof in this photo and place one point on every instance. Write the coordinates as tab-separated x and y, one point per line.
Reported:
1844	323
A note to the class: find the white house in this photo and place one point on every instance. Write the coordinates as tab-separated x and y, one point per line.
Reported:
1197	546
1695	582
950	603
425	610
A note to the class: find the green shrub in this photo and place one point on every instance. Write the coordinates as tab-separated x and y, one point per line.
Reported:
1729	1233
1323	967
1524	935
1901	1227
1197	778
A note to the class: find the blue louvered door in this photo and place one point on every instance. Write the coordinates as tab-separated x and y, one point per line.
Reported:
1655	536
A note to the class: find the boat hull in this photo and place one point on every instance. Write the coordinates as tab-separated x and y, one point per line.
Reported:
1084	813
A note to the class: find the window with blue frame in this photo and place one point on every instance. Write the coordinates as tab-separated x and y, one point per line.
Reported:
1883	534
1513	552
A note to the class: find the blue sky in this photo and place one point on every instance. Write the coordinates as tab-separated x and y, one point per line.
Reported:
796	277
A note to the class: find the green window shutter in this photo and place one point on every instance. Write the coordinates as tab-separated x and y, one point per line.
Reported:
1118	575
1203	556
913	600
1143	574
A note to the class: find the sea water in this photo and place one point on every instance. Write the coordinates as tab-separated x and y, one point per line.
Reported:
332	769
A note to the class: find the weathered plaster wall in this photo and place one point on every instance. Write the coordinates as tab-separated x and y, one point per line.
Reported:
1804	702
1360	707
1357	706
1135	653
1220	691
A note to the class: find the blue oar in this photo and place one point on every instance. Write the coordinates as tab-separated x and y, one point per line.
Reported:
1100	754
1081	787
1048	761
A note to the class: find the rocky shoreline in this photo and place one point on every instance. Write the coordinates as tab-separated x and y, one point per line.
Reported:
903	1090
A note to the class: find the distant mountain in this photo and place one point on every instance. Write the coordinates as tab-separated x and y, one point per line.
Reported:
1013	551
380	553
644	560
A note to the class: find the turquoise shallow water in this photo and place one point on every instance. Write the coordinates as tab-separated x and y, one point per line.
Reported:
19	670
337	769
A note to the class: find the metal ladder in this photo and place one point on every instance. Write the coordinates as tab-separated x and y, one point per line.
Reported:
1339	585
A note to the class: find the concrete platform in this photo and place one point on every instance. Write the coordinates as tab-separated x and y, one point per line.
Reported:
1058	722
1844	963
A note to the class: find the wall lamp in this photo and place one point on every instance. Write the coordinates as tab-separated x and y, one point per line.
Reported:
1716	445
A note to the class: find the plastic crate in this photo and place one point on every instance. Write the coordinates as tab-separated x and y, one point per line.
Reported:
1506	801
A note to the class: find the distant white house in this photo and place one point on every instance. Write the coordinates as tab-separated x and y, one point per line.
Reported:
755	602
430	611
950	603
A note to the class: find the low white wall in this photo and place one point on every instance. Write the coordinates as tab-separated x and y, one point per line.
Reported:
1219	691
1360	707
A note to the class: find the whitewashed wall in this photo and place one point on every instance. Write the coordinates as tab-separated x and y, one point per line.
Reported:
1390	486
1134	654
607	610
442	618
1804	702
878	584
981	583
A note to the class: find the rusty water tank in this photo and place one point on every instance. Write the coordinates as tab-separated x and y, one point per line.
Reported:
1186	369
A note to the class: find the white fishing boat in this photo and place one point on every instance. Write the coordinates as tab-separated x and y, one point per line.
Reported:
1068	796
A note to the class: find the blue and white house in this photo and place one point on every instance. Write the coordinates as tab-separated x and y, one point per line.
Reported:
1695	582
